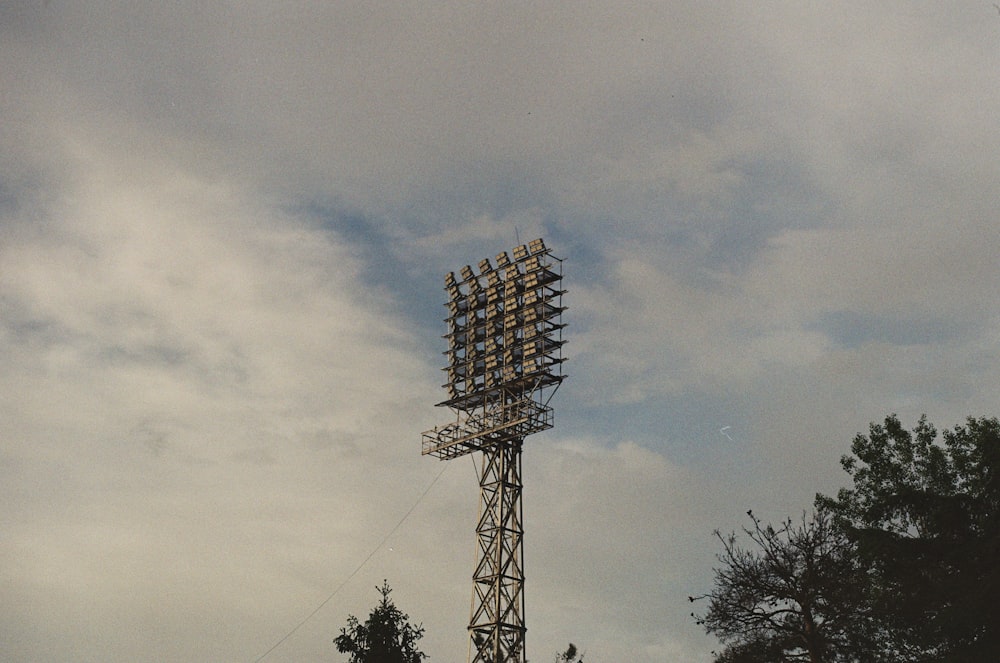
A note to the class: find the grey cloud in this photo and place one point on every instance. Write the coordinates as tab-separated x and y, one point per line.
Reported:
851	329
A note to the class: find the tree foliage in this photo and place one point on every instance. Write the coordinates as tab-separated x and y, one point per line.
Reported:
385	637
901	567
570	655
925	516
787	597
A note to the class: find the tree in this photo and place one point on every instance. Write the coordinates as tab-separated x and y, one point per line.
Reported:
386	636
925	518
791	596
569	656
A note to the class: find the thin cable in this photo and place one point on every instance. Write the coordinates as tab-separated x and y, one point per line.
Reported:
355	571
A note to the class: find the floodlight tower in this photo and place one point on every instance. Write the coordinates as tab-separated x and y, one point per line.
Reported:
504	364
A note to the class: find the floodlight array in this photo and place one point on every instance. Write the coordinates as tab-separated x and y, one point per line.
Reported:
504	330
504	350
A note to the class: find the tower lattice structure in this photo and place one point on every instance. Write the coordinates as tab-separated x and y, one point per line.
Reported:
504	364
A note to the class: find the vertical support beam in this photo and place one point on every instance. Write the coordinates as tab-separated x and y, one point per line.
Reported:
496	627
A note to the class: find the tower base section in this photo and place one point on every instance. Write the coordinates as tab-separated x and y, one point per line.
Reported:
496	627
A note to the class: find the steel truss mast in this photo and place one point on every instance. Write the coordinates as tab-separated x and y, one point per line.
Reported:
504	363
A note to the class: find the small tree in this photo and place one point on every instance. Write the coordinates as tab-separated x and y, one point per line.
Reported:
789	597
569	656
386	636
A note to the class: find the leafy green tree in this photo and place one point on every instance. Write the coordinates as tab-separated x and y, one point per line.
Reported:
385	637
925	517
790	596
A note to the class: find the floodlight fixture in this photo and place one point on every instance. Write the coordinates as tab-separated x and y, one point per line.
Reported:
504	335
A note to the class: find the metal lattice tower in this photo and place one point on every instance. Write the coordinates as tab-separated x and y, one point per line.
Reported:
504	364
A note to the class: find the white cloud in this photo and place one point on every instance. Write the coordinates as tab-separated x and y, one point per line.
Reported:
189	374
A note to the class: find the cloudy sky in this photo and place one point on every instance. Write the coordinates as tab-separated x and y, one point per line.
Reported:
223	232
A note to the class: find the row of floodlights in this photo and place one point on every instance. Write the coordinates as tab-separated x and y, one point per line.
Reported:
531	369
528	319
525	323
527	290
523	353
535	247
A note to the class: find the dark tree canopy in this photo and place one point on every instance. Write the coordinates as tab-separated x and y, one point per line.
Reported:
570	655
925	516
789	596
902	567
385	637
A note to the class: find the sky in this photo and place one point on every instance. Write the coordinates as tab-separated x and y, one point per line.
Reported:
223	234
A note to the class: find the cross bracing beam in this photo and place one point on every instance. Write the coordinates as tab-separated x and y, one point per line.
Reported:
486	427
